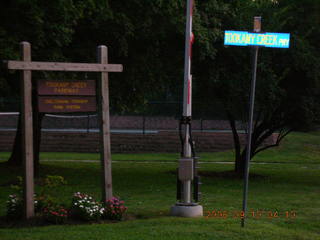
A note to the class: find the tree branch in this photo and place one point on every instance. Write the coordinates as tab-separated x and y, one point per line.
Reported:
279	139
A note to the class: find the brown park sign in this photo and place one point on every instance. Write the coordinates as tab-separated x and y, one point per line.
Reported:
60	104
58	96
70	87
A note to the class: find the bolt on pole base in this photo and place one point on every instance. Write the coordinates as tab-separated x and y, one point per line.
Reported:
189	211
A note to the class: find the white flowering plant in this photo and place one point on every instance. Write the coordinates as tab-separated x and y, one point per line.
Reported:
114	209
85	207
14	206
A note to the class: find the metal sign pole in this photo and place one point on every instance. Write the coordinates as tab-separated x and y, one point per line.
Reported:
255	39
257	28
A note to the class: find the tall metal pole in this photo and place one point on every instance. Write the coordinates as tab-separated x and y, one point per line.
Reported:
256	28
187	208
187	94
187	98
187	62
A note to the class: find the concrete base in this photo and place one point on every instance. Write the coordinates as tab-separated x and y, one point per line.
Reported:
186	211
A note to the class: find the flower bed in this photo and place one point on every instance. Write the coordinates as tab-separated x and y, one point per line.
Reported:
83	207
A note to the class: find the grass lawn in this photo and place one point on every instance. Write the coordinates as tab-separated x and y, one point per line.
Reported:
148	189
295	148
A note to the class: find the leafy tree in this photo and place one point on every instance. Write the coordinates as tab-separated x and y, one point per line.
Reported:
147	37
284	91
48	27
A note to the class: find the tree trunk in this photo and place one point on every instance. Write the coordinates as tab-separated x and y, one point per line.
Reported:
16	155
240	163
37	140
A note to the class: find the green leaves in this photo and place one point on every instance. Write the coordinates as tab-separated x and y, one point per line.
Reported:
148	38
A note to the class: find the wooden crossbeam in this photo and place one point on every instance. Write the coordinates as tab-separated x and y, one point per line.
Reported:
59	66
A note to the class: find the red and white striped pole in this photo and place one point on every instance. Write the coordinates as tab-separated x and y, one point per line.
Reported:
187	97
187	160
187	208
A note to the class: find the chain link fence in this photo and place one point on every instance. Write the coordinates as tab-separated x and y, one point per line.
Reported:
155	116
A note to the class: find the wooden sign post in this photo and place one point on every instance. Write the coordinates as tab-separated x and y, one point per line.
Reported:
105	124
81	99
27	133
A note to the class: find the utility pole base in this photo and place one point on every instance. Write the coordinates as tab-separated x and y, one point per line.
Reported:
186	211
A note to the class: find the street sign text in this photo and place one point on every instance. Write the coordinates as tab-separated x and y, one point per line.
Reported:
241	38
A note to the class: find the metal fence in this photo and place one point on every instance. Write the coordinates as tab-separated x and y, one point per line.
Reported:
160	115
